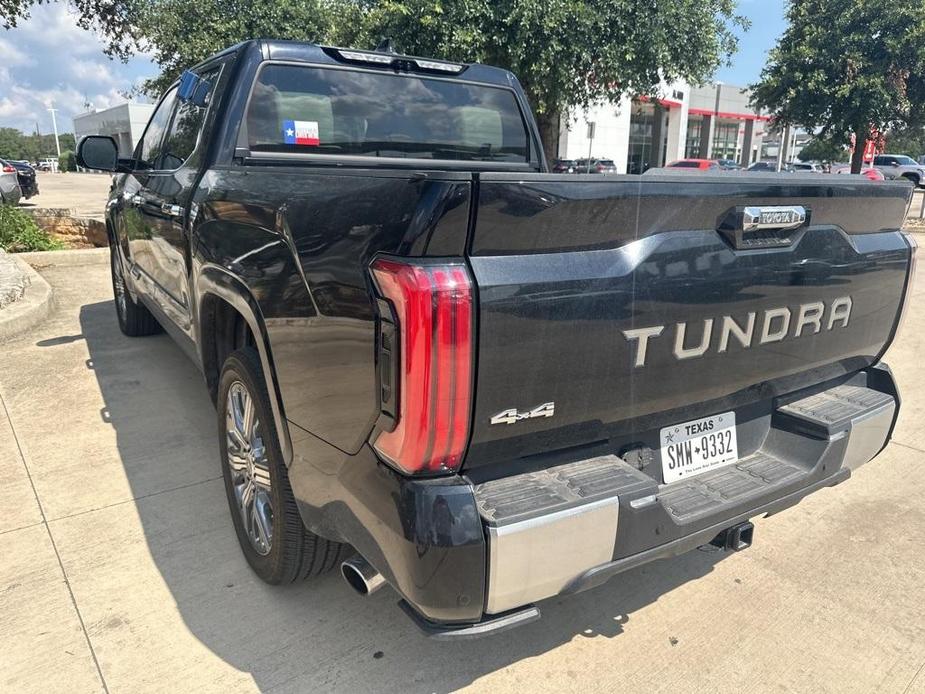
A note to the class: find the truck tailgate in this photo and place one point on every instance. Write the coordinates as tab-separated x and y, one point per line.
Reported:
610	306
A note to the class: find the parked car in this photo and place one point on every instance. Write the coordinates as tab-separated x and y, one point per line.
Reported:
10	192
763	167
869	173
894	166
729	164
596	166
806	167
421	356
28	183
565	166
700	164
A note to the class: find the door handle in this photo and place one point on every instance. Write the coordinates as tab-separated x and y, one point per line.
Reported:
172	210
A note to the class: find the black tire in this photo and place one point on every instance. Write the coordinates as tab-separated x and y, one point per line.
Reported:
294	553
135	320
912	178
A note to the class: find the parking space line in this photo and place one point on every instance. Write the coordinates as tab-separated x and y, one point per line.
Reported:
914	678
68	516
906	445
22	456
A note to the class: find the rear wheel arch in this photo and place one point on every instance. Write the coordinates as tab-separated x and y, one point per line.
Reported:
912	177
229	319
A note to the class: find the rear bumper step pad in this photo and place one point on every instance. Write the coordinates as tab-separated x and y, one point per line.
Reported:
556	530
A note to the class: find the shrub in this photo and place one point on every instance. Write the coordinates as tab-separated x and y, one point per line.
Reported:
20	233
67	161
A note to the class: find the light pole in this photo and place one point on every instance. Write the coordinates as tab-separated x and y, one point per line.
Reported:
54	125
711	149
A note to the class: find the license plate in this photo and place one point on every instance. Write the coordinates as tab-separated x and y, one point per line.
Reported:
697	446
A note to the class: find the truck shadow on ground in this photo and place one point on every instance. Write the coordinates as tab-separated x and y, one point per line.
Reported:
319	635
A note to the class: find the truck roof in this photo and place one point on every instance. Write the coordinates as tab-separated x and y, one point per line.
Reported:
302	51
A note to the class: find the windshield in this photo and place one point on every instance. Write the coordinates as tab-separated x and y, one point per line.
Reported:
361	113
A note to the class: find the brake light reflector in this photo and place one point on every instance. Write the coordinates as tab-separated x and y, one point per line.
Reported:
433	307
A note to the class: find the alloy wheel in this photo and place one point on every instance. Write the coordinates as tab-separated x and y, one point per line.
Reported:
249	467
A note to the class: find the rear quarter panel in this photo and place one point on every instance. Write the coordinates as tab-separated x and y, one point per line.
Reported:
301	239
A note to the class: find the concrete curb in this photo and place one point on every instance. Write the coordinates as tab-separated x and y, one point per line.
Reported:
32	308
81	256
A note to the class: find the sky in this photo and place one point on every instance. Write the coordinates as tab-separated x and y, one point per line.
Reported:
49	59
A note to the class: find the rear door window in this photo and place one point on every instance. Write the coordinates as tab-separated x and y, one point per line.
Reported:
363	113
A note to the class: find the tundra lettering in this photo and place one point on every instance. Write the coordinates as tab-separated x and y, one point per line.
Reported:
775	326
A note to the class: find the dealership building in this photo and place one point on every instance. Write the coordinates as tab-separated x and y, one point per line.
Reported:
639	133
125	123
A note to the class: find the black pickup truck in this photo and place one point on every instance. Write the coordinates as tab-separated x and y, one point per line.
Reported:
440	366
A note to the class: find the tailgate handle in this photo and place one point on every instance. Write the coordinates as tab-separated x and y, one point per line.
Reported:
750	227
776	217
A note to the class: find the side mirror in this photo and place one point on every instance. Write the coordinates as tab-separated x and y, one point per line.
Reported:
895	163
98	152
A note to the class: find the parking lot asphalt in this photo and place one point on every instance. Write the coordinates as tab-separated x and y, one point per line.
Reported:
120	571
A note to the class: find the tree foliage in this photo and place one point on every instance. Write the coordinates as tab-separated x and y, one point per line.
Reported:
908	140
111	18
17	145
181	33
847	66
822	148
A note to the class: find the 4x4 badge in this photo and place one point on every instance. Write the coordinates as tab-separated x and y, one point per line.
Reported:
511	416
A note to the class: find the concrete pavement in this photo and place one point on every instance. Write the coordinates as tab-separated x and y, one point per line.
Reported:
120	571
83	193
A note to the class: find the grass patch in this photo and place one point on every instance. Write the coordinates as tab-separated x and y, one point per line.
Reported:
19	233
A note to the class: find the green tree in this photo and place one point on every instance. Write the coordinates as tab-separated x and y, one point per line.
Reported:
908	140
823	149
67	161
846	67
566	53
180	33
17	145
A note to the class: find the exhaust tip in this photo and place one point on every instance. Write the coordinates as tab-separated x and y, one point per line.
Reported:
361	575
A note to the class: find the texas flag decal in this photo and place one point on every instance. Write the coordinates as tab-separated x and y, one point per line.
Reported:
300	132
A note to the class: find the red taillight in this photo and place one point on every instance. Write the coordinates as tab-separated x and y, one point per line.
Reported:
9	169
600	167
433	309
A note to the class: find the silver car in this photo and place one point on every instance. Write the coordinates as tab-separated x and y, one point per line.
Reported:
894	166
10	193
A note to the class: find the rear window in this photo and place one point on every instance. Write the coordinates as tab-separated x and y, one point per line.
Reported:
605	162
334	111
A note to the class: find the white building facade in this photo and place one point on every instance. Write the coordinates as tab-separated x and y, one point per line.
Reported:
125	123
639	133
